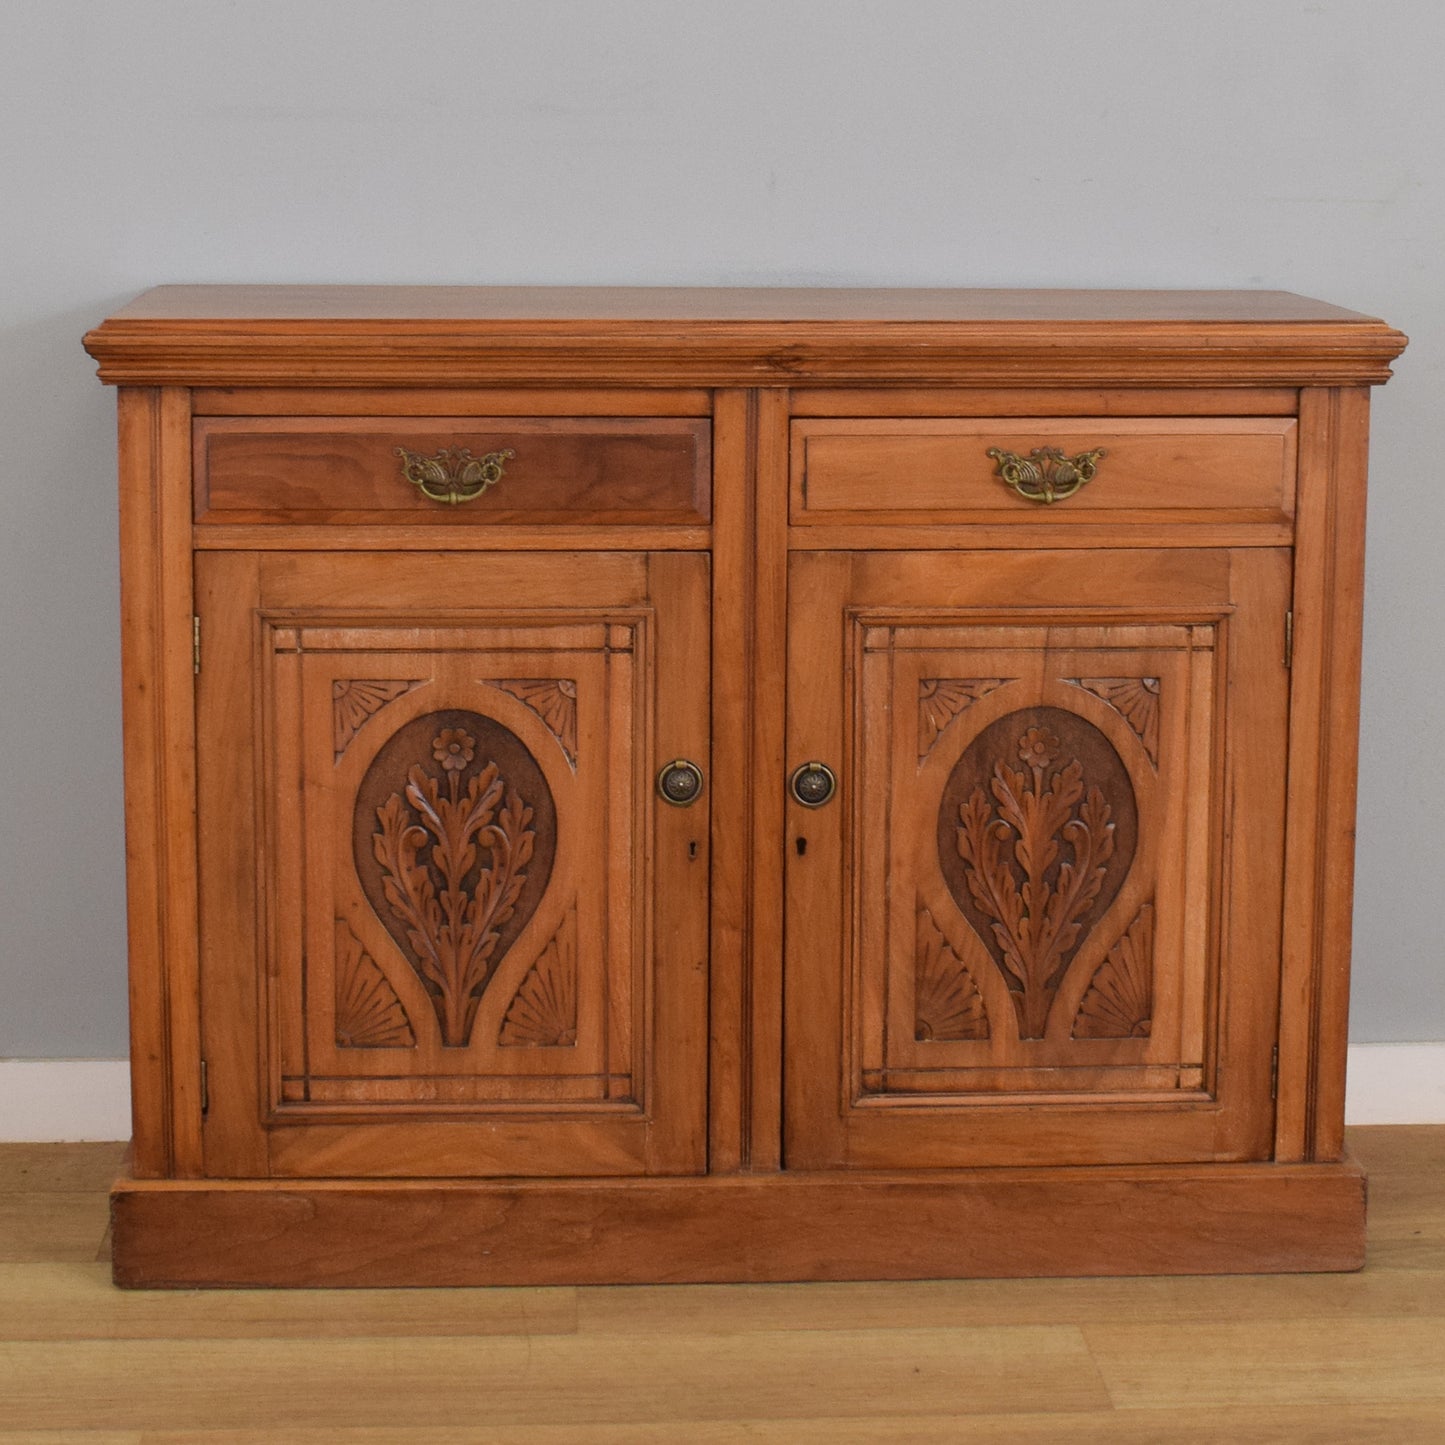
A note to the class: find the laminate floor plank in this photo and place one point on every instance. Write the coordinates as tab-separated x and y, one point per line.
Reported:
71	1437
78	1302
561	1380
1305	1362
59	1168
1417	1423
52	1226
1414	1150
957	1304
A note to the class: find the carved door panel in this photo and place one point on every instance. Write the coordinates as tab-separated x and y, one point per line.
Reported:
475	942
1040	921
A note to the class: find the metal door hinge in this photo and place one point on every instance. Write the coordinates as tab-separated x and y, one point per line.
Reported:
195	644
1289	639
205	1091
1274	1072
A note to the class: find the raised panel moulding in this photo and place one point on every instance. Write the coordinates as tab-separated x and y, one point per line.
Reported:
66	1100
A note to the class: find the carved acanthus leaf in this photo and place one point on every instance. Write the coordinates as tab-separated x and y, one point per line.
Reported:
452	909
947	1005
1120	1000
554	700
941	699
1011	851
369	1015
354	700
1136	700
543	1012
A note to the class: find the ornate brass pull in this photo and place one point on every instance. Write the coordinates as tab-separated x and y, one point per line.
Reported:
1046	474
813	784
454	475
680	783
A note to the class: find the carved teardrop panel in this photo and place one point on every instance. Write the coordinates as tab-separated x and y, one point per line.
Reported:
454	833
1037	830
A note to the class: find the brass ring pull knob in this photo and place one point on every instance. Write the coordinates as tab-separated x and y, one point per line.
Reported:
813	784
1046	474
453	475
680	783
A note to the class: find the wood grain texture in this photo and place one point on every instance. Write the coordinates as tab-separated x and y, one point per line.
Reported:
53	1300
1006	401
1412	1423
456	1381
1324	755
1149	469
734	640
768	673
346	471
991	1223
457	336
303	537
159	733
274	401
1282	1361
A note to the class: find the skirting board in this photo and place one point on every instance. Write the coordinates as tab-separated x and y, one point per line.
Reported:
54	1100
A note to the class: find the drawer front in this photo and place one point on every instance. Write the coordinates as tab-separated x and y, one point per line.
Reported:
940	470
453	472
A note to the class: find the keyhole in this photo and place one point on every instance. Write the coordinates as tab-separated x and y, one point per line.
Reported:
692	849
802	844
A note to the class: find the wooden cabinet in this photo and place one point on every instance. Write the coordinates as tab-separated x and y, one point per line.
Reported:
737	785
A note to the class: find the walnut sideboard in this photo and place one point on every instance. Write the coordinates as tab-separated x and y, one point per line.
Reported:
643	785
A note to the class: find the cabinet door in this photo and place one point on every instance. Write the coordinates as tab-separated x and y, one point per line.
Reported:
448	926
1039	922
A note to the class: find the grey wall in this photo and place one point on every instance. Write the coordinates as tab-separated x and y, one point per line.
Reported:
1276	143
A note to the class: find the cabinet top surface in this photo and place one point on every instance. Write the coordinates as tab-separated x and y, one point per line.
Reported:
463	335
716	303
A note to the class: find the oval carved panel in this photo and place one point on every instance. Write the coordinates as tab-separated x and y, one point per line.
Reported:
1037	829
454	833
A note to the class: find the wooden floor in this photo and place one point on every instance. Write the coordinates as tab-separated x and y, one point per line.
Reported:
1310	1358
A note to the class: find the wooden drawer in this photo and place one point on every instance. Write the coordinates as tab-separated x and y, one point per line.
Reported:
927	470
349	470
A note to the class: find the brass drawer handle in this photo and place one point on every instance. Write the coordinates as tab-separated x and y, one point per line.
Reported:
1046	474
454	475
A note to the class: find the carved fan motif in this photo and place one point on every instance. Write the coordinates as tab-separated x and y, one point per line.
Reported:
543	1012
1031	853
369	1015
1120	1000
941	699
947	1005
554	700
1136	700
355	700
454	856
